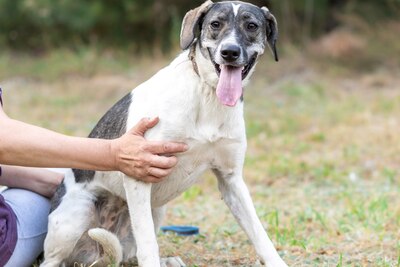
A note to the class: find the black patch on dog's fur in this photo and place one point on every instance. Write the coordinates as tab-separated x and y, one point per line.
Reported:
56	200
112	125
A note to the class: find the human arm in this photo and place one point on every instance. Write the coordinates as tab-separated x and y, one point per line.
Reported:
41	181
27	145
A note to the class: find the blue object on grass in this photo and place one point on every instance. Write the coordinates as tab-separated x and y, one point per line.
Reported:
181	229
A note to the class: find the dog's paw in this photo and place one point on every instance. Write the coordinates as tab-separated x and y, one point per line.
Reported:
258	263
172	262
278	263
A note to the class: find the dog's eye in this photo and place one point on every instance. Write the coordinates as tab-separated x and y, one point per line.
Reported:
252	26
215	25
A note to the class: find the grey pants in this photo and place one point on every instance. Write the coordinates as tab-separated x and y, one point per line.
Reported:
32	212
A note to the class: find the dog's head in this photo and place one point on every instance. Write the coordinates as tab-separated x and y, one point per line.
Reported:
231	35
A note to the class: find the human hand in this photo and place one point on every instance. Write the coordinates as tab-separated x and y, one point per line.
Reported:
147	161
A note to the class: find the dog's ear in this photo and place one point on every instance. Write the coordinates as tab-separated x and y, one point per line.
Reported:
191	23
272	31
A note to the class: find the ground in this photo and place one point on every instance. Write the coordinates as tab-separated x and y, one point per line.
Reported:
322	162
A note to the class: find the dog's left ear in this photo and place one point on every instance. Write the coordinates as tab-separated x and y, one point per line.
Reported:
272	31
191	23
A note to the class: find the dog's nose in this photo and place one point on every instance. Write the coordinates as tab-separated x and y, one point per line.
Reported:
230	52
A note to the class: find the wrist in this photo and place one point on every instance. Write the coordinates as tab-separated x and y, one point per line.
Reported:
113	149
47	182
58	179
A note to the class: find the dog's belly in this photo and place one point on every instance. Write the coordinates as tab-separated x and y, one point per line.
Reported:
202	155
175	184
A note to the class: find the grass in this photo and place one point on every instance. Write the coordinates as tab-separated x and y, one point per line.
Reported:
322	162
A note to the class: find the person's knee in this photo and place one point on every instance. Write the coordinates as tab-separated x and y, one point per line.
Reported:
31	210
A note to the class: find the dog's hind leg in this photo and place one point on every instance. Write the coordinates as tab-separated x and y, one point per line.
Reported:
236	195
138	196
158	216
67	223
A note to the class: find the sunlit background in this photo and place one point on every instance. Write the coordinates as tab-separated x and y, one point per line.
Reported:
323	123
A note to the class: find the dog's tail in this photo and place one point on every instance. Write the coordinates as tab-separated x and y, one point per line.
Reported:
110	243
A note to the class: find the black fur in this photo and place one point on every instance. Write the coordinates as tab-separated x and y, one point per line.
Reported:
112	125
56	200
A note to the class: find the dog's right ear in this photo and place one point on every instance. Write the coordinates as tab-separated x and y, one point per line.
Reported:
272	31
191	23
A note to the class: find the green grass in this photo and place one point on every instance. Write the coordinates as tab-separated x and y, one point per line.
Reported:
322	160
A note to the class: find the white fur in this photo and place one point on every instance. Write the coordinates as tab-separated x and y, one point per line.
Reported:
68	222
189	111
235	9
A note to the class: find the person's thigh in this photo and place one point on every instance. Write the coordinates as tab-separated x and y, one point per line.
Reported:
32	212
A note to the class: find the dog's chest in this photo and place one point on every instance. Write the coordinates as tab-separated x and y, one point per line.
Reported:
210	148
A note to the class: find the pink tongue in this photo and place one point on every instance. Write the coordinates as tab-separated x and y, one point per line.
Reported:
229	88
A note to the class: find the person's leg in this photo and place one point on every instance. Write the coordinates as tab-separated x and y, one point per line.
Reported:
32	212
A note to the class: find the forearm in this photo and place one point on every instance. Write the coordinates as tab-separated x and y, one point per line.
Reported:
27	145
41	181
22	144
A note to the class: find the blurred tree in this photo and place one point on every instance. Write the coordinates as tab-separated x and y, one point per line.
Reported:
153	25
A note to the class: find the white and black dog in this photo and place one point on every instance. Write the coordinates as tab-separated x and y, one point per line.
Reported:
199	99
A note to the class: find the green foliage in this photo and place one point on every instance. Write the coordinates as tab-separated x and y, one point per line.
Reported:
41	24
151	24
301	20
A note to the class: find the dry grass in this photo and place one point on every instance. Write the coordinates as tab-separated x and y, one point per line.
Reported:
322	162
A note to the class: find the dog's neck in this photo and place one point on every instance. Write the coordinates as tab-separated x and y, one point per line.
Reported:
203	67
192	57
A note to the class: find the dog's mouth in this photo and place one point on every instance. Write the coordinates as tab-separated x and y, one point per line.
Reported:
245	69
229	88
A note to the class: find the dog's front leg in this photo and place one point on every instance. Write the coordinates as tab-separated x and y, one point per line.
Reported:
236	195
138	196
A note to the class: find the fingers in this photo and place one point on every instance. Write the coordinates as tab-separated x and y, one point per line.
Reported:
166	147
143	125
159	173
151	179
162	162
157	147
158	166
154	175
151	168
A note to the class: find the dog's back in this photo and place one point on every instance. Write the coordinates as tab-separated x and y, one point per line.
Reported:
111	125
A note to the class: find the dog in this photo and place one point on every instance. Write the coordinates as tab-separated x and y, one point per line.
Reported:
199	100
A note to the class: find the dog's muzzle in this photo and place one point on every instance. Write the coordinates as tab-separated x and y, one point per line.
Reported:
245	69
229	88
